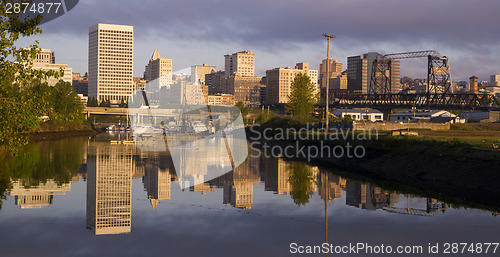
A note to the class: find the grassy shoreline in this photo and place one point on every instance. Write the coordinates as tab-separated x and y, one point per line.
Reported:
448	166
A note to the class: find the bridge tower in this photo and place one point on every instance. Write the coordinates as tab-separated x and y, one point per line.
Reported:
438	75
380	82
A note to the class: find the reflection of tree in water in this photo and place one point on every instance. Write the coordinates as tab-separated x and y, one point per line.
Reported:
302	182
4	183
37	163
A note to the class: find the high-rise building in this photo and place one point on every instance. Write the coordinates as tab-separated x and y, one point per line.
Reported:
158	72
359	70
335	70
241	63
359	73
198	73
109	188
111	62
279	82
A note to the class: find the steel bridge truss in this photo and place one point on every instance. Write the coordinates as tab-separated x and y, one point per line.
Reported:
438	72
458	101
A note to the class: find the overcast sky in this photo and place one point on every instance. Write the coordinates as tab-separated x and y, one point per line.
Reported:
284	32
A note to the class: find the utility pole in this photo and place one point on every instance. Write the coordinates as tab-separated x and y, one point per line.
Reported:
326	181
328	37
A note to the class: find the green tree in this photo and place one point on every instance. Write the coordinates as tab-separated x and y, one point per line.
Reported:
20	109
66	103
302	98
105	103
92	102
123	104
244	111
302	182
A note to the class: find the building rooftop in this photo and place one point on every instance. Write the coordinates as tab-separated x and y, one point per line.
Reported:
417	112
358	110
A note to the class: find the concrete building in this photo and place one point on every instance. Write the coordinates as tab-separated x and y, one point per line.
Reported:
45	60
184	92
263	94
67	77
335	70
279	82
359	73
215	82
139	83
359	114
158	72
241	63
220	99
80	84
45	56
109	188
110	66
198	73
415	115
244	89
339	83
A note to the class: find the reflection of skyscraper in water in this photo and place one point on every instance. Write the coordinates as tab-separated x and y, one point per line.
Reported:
367	196
201	160
109	186
238	184
334	186
38	196
157	181
277	176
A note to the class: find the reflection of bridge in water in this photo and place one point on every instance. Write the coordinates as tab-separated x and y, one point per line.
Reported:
433	209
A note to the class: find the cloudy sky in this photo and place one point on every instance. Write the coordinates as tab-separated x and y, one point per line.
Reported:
284	32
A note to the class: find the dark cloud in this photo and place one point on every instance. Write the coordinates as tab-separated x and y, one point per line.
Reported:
469	27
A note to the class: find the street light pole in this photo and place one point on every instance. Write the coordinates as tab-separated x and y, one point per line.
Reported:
328	37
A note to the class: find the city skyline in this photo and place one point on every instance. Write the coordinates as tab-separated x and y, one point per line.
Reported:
190	41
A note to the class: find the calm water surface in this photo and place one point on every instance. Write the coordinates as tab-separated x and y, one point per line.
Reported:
87	197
